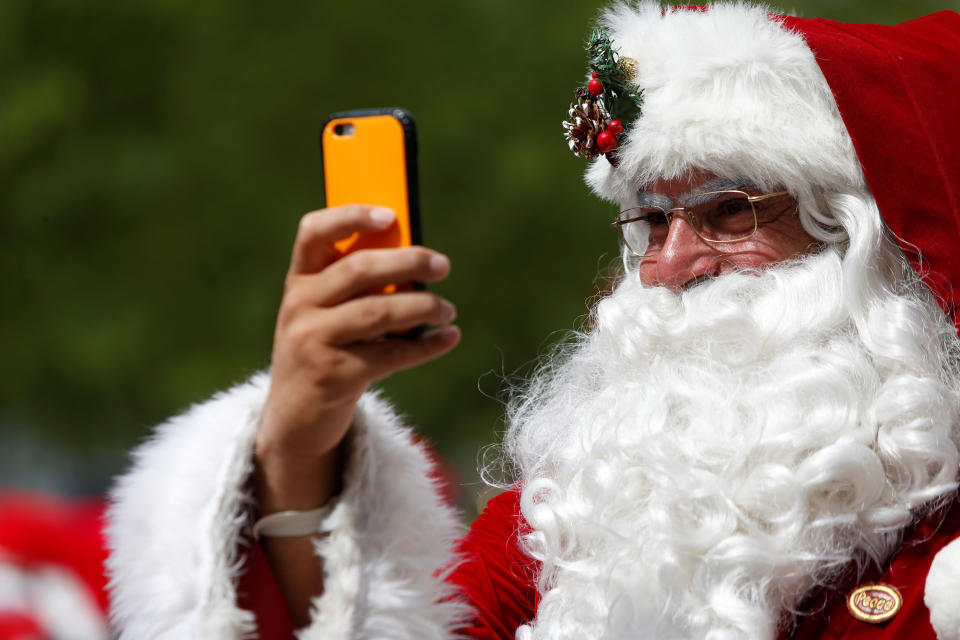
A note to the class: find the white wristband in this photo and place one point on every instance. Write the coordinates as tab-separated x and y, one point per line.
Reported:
288	524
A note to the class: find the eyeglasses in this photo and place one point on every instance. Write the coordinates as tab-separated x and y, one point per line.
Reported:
716	216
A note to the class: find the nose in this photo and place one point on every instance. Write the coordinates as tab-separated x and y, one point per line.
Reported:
683	258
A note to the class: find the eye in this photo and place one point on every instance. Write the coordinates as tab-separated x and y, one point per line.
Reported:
652	216
655	217
732	207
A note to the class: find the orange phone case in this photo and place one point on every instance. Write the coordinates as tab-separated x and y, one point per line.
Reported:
369	157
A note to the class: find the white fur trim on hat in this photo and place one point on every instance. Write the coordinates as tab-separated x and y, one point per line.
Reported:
942	592
179	516
729	90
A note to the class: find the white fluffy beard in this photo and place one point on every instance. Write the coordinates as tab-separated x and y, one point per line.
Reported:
699	461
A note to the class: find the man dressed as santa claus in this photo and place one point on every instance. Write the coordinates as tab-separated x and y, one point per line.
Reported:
757	437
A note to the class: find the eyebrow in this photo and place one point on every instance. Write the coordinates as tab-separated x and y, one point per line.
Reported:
649	199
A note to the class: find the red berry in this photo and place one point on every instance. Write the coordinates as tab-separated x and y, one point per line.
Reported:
615	127
593	74
606	142
595	87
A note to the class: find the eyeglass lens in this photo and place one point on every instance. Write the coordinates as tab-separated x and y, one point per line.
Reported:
728	217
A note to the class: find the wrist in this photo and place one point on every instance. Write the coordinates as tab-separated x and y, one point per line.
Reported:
285	480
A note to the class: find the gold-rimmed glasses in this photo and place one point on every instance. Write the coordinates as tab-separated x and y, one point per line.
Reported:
716	216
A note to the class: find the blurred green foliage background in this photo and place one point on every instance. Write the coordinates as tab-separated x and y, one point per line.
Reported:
155	156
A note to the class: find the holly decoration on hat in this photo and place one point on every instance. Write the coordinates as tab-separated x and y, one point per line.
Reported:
606	141
609	99
622	98
595	86
588	119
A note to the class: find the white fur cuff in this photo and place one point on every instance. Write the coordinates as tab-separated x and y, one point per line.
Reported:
179	515
391	537
942	592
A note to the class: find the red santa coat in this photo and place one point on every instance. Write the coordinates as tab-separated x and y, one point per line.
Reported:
498	580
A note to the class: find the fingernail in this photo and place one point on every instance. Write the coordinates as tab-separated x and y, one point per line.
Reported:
382	216
449	311
439	264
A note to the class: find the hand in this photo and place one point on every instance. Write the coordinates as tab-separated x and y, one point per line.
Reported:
332	341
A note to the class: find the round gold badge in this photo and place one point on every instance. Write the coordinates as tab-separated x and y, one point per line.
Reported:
874	603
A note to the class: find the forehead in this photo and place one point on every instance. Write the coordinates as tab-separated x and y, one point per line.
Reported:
662	192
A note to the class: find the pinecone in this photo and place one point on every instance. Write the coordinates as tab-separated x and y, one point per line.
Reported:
588	118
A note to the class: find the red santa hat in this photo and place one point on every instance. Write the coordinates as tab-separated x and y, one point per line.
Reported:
794	102
898	92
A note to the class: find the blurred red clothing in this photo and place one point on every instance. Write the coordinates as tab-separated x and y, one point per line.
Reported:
52	579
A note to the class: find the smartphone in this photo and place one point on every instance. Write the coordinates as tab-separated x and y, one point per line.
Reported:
370	157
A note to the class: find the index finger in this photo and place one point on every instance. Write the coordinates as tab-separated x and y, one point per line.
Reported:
313	248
